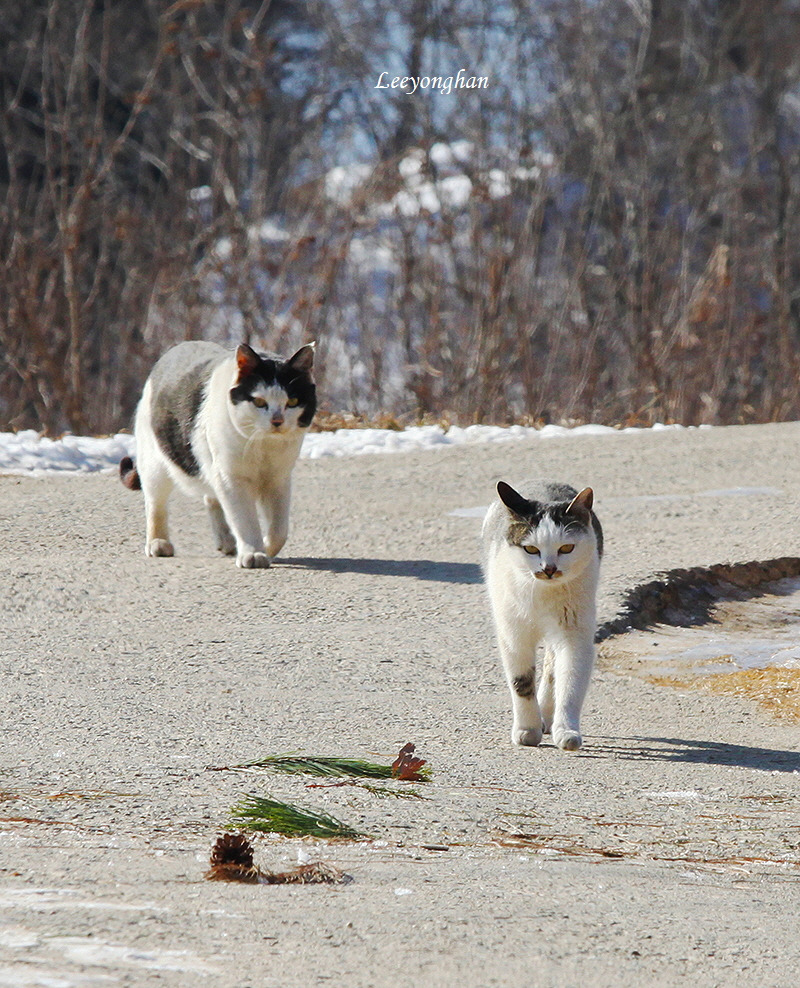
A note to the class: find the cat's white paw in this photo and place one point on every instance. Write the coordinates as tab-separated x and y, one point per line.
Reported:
253	560
159	547
567	740
529	737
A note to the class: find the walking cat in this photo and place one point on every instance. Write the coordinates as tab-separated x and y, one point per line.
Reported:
227	426
542	549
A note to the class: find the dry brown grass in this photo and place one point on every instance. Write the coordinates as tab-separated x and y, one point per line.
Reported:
777	690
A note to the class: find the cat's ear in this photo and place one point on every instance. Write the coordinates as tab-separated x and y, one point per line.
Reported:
303	360
247	360
582	503
514	501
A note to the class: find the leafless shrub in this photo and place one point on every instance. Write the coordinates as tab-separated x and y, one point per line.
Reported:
607	232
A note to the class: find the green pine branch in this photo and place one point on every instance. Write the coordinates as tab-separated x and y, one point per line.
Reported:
325	765
274	817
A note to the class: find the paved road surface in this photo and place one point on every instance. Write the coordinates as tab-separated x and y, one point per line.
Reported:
666	852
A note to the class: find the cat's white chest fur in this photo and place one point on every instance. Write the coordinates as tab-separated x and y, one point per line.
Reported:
541	564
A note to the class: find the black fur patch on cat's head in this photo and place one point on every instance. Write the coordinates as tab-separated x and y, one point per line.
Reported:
293	375
526	514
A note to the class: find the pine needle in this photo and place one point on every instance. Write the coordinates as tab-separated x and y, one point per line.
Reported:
393	793
375	790
274	817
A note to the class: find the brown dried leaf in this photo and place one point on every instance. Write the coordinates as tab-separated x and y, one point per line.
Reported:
405	766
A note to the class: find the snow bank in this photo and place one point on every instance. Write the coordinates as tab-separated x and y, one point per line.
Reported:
29	453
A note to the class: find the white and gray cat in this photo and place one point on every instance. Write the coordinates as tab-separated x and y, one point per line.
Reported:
542	550
228	426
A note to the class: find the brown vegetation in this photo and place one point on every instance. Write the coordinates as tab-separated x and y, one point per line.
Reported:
617	241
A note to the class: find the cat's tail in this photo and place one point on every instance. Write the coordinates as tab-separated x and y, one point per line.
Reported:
128	474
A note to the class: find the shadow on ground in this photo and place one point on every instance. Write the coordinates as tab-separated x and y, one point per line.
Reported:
687	597
418	569
689	750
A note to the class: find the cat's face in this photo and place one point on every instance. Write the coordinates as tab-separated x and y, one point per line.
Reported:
553	541
273	396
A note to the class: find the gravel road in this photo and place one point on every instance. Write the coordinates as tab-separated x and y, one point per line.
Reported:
666	852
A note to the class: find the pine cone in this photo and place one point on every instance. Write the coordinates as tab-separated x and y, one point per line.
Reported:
232	860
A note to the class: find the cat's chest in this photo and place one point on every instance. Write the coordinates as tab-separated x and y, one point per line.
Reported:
553	608
262	462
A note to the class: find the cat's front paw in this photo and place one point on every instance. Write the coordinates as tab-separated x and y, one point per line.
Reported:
253	560
567	740
159	547
528	737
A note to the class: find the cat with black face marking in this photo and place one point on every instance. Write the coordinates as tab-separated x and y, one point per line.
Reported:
542	549
227	426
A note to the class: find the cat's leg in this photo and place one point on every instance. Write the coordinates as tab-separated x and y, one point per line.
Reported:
155	480
156	486
573	662
546	692
223	537
518	652
275	509
239	507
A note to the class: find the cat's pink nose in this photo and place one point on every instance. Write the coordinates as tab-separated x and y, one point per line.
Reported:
550	569
277	419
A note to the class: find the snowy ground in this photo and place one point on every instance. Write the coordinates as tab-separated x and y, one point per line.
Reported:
29	453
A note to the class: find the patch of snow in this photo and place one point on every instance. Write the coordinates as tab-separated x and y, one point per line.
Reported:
455	190
462	150
411	165
268	232
343	180
93	952
677	795
526	174
498	183
223	248
31	454
17	937
28	452
477	512
50	899
441	155
448	156
369	255
201	193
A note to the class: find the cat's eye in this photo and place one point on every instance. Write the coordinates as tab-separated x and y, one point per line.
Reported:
260	402
291	402
564	550
531	550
